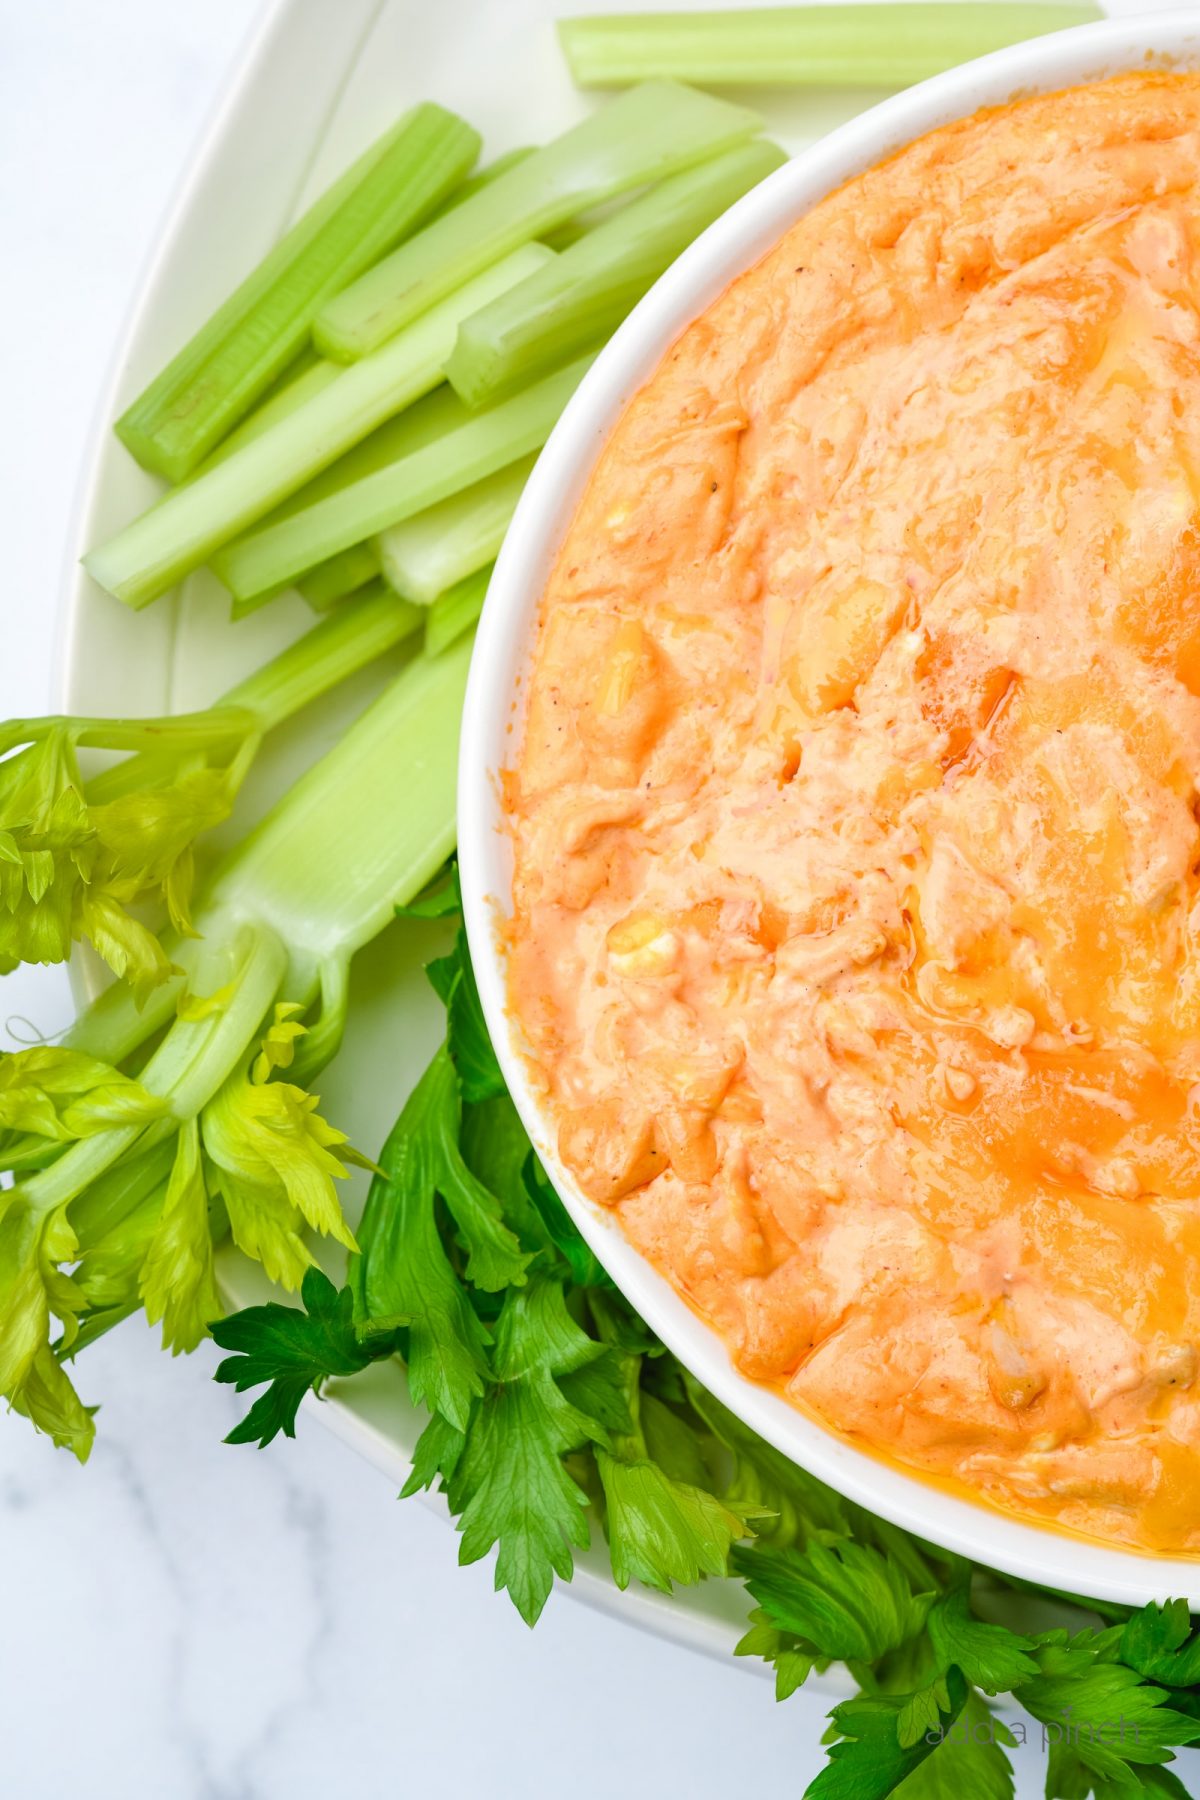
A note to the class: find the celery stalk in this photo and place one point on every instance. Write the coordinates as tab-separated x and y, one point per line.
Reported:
367	626
456	611
364	829
311	374
641	137
867	45
438	548
487	442
339	575
354	635
586	292
428	418
183	530
216	378
484	178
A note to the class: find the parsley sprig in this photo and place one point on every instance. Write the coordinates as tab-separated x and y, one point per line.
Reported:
553	1413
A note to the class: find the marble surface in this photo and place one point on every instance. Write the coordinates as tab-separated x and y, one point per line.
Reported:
183	1620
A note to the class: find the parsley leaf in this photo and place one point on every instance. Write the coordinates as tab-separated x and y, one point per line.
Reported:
556	1221
292	1351
663	1531
1155	1642
990	1656
1101	1710
440	900
792	1665
967	1761
846	1601
791	1503
870	1762
403	1272
453	980
509	1483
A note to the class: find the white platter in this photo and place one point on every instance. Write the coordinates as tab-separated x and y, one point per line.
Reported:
316	84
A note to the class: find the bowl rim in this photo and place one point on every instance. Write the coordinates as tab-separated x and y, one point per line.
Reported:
492	721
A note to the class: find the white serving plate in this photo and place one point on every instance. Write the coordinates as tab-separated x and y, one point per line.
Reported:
316	83
495	691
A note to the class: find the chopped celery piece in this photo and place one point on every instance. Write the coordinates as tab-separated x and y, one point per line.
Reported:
641	137
216	378
432	551
486	442
184	528
810	46
456	611
586	292
339	575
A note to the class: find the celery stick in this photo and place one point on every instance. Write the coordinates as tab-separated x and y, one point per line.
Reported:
311	375
640	137
456	611
484	178
365	828
489	441
590	287
364	628
183	530
354	635
216	378
339	575
428	418
886	46
429	553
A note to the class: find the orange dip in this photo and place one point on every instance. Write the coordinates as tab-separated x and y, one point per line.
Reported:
857	928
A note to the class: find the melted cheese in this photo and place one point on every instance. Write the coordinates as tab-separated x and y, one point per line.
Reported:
857	918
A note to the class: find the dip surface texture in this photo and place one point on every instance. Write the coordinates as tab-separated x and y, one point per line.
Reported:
856	941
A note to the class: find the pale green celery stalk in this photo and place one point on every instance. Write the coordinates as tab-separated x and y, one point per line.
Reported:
362	831
433	551
216	378
187	526
367	626
641	137
296	389
563	236
484	178
456	611
887	46
487	442
428	418
340	575
585	293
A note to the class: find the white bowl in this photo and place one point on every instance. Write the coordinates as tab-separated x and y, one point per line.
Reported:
491	730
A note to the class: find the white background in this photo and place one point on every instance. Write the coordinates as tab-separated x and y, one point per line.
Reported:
182	1620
